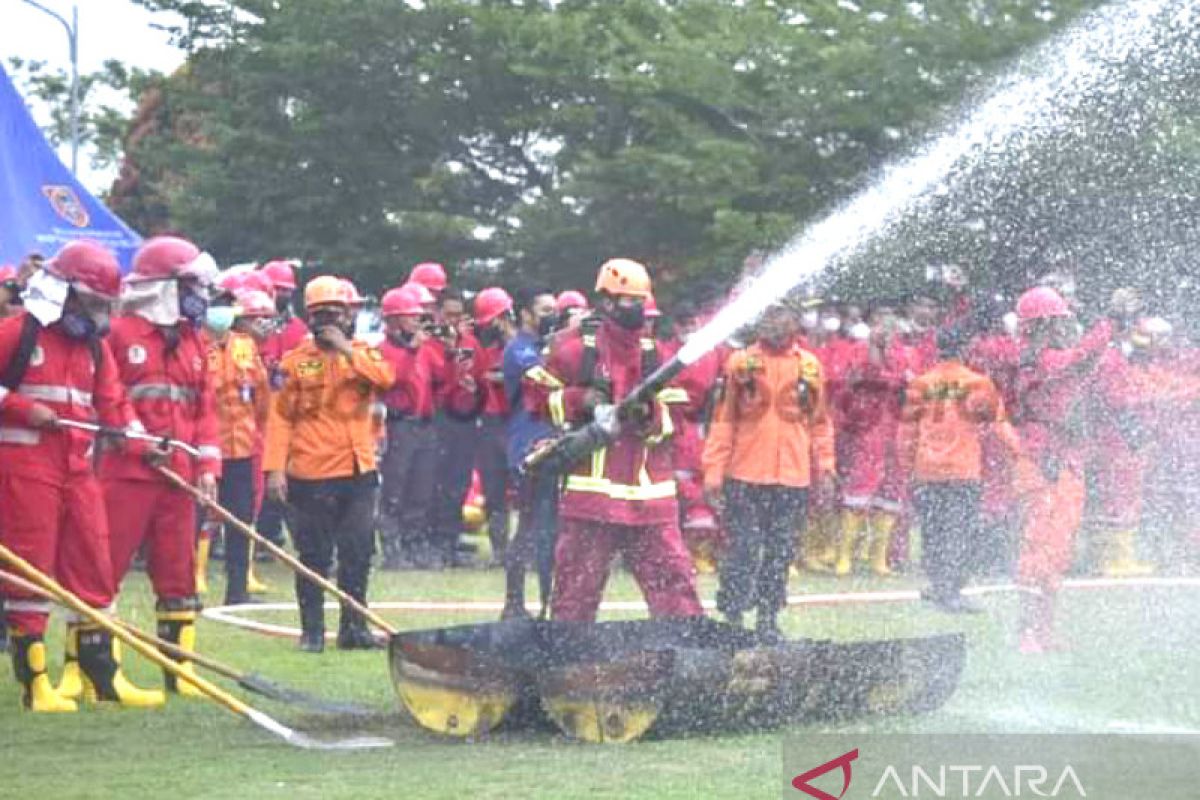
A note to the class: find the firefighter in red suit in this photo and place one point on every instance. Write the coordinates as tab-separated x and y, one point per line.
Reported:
868	403
495	325
622	498
54	365
1049	478
163	361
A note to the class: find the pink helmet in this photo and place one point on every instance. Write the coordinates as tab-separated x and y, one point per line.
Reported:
1042	302
354	298
253	303
491	303
570	299
429	274
424	296
652	311
89	265
7	273
402	301
281	274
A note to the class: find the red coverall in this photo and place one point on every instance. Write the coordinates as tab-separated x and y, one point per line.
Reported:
704	536
172	394
868	406
1050	479
51	505
623	498
491	450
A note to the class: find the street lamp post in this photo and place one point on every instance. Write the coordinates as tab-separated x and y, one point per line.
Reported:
72	29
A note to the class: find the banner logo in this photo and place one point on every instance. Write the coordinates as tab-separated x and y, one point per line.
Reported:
67	205
801	781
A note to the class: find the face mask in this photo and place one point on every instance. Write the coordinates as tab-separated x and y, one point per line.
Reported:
219	319
192	307
631	318
81	326
488	336
831	324
283	304
546	326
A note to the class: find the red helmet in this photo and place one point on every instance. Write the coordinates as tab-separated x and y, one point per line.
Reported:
403	301
281	274
164	257
424	296
88	265
253	303
491	303
570	299
651	307
429	274
232	282
1042	302
7	273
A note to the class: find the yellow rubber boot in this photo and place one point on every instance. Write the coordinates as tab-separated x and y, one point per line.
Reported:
179	628
71	684
703	556
881	542
103	680
253	584
29	665
815	546
1122	561
854	523
831	526
203	548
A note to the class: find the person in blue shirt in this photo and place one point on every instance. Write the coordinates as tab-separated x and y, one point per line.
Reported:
538	493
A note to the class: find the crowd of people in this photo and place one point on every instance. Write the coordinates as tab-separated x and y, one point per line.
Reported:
828	437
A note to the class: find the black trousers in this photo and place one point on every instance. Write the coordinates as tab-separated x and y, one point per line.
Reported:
950	533
236	493
763	521
456	441
407	472
335	515
491	459
536	534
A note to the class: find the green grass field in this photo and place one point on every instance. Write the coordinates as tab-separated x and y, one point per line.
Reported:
1132	663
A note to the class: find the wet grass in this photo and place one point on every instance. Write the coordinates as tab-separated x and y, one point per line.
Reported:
1131	662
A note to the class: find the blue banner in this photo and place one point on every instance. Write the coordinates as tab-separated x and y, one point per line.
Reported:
42	206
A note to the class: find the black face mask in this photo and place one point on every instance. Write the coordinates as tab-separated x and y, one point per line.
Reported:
546	326
283	304
489	336
631	318
193	307
400	338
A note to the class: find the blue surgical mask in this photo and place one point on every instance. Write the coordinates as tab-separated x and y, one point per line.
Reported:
82	326
219	319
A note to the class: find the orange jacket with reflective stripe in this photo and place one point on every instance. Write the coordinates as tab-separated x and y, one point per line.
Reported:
771	425
243	394
321	422
947	412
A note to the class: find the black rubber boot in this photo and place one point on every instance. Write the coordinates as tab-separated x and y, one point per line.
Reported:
312	616
103	681
353	633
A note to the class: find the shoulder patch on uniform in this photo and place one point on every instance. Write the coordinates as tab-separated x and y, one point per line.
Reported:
310	367
136	354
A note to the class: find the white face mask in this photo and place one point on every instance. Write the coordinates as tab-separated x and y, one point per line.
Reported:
809	320
831	324
860	331
1011	323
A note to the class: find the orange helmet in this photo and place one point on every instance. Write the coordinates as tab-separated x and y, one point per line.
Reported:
623	277
325	290
253	303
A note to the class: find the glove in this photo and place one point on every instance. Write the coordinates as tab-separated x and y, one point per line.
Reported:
636	414
594	398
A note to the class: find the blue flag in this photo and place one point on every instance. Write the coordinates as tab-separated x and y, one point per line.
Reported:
42	206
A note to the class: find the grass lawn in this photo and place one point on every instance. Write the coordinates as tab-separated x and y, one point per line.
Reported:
1132	664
